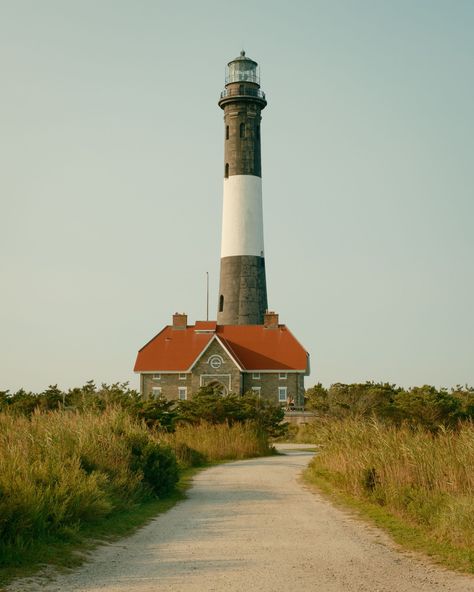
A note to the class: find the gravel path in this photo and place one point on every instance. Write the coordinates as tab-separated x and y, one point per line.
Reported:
252	526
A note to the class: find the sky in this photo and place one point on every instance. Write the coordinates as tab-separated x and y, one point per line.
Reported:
111	167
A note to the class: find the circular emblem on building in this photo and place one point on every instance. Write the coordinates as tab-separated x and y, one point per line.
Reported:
215	362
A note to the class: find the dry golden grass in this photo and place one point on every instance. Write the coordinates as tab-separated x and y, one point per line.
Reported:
424	478
215	442
62	470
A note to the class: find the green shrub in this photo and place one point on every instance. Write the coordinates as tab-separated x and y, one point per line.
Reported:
154	462
213	408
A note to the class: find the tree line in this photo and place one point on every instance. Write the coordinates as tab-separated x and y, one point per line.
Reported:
425	406
206	405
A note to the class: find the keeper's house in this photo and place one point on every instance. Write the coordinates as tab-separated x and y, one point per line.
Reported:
264	358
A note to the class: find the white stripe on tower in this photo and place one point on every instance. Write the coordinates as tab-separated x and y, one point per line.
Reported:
242	216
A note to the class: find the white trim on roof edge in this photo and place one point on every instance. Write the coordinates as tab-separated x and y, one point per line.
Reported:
216	338
244	370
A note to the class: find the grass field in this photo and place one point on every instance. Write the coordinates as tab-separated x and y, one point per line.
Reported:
216	442
417	484
69	478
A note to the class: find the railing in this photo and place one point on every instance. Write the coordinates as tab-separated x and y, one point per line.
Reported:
296	409
243	92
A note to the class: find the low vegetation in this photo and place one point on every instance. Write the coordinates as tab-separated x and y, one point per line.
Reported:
403	457
61	471
71	462
194	443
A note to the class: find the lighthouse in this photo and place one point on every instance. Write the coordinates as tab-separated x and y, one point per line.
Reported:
242	290
247	349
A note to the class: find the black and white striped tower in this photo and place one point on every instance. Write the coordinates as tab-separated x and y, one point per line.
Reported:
243	289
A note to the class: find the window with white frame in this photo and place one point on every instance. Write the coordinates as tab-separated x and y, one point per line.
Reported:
256	390
156	392
182	376
282	376
256	375
182	393
156	376
282	393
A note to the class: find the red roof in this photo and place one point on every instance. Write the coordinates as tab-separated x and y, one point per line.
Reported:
253	347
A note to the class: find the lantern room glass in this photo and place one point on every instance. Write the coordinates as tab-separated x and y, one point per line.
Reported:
242	70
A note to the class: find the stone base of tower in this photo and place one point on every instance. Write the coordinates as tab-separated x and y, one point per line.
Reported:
243	291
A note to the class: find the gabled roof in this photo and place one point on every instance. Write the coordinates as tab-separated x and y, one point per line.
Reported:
254	347
259	348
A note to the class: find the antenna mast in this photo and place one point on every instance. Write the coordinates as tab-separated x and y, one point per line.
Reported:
207	296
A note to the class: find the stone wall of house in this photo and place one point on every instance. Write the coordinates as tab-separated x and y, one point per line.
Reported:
167	383
216	366
269	383
203	373
227	374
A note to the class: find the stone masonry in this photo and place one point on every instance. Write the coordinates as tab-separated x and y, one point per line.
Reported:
232	379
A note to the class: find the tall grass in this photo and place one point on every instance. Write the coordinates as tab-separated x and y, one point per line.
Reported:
425	478
62	470
214	442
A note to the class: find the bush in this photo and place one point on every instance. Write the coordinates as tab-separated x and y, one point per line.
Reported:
62	470
425	406
213	408
154	462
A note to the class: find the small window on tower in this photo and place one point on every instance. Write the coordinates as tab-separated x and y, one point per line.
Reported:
226	173
221	303
226	132
242	130
258	132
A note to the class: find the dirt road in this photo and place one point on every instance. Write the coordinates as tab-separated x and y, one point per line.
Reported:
252	526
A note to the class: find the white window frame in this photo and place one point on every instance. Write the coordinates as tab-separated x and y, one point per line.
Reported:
182	390
156	392
182	376
282	375
282	394
156	376
257	390
256	375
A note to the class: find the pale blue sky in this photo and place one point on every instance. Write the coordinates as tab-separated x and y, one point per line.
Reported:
111	172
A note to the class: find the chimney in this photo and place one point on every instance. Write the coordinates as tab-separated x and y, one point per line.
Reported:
270	320
180	320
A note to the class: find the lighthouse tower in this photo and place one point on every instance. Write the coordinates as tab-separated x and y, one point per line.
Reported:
243	290
247	348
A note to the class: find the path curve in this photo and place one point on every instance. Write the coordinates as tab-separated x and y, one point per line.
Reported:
252	526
